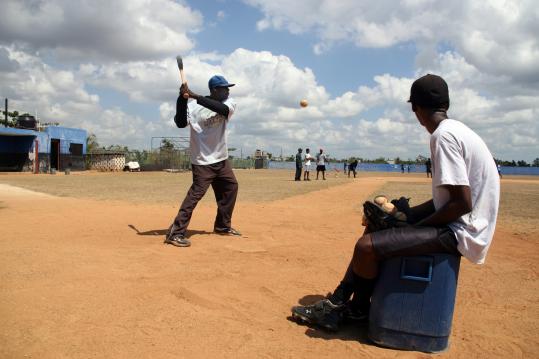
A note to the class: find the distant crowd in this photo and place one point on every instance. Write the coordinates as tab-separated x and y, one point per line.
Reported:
305	163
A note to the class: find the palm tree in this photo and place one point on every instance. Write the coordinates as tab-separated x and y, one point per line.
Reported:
91	143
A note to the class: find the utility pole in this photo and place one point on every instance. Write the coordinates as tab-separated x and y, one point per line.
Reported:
5	114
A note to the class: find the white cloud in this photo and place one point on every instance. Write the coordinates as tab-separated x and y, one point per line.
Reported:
498	37
60	96
221	15
124	30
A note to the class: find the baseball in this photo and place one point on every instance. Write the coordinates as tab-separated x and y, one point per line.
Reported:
388	207
380	200
303	103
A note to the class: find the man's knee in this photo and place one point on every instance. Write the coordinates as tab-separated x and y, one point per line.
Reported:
364	244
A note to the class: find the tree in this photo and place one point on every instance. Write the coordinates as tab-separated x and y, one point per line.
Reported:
166	145
117	148
536	162
522	164
11	122
420	159
91	143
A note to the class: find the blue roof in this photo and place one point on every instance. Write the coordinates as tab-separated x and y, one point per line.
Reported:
66	135
10	131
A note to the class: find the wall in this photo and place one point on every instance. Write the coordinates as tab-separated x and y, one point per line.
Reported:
67	136
106	161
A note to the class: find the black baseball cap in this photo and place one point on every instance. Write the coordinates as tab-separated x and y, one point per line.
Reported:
429	91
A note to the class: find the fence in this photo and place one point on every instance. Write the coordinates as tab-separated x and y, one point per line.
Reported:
106	161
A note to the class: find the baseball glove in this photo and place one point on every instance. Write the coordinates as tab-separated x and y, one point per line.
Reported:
378	220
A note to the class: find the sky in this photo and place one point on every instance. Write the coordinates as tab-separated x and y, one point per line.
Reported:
109	67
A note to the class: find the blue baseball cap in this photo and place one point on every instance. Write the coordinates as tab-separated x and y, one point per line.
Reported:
218	81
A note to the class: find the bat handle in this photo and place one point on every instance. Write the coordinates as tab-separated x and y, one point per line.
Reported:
182	77
185	95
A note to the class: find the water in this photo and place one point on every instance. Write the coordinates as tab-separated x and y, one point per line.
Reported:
385	167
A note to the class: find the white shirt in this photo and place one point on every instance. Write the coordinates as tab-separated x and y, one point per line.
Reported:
208	133
461	158
321	159
308	159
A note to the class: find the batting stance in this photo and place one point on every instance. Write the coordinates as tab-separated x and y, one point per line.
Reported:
207	117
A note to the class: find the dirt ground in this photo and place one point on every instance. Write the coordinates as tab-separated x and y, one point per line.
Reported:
86	275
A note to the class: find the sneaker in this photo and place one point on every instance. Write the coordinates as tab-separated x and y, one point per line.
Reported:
178	240
323	314
227	231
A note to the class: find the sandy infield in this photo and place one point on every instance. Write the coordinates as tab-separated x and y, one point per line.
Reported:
90	278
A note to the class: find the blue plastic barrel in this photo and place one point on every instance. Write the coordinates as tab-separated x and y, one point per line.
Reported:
413	301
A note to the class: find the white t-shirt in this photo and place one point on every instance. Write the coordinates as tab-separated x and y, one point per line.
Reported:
461	158
208	133
321	159
308	159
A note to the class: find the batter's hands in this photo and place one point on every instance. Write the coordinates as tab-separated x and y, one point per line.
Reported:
186	92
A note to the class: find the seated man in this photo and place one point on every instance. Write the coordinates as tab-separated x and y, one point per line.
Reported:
459	219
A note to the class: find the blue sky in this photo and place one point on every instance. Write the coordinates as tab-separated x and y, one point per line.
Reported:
109	67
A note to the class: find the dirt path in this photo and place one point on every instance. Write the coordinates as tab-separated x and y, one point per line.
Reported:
84	278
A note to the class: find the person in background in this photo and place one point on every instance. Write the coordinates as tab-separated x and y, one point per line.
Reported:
428	166
299	163
321	161
352	167
308	164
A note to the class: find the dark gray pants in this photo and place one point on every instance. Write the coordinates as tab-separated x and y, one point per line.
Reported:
298	174
225	186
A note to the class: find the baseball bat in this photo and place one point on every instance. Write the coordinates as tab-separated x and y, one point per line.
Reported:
179	60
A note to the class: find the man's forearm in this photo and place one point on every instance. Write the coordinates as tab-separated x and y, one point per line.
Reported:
181	112
448	213
421	211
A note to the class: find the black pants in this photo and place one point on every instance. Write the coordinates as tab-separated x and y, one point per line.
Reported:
298	174
225	186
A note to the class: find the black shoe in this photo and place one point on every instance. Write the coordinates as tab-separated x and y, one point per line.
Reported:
227	231
352	314
177	240
323	314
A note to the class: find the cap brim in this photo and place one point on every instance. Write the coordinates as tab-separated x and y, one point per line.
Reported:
228	85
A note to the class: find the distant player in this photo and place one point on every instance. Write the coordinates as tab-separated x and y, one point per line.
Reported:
321	161
308	159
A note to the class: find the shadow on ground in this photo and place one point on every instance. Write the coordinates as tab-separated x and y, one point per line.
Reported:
350	331
162	232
